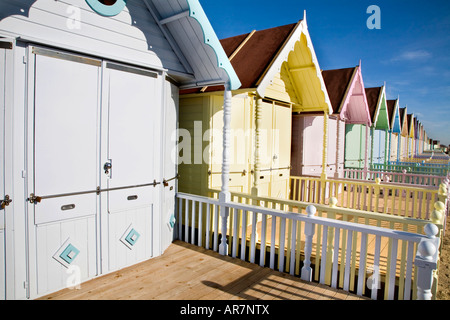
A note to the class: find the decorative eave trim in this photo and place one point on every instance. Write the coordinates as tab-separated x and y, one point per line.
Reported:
380	100
283	55
396	112
345	102
210	38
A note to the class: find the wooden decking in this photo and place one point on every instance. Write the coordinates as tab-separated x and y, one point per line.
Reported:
187	272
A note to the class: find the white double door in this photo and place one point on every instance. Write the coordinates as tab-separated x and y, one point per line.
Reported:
94	127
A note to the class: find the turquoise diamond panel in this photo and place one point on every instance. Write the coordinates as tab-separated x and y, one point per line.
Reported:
69	254
132	237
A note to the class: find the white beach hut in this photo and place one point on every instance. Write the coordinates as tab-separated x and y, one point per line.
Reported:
89	105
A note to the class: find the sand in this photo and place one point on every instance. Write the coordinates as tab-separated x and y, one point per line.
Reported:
444	269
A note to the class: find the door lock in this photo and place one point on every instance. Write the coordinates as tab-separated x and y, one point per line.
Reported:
5	202
107	167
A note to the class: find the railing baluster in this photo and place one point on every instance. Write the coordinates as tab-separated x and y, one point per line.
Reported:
186	222
299	242
347	260
272	243
235	233
353	266
244	234
200	224
323	262
281	246
180	219
262	252
362	264
292	239
253	237
409	266
306	273
208	226
216	228
335	258
392	270
375	284
193	222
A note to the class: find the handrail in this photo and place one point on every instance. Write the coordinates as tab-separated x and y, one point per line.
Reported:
366	216
414	179
330	257
394	199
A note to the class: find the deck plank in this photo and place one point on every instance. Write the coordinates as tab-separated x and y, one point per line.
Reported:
188	272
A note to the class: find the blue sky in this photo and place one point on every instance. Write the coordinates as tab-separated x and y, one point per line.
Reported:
411	51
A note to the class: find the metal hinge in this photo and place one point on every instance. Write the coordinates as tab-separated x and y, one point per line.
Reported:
5	202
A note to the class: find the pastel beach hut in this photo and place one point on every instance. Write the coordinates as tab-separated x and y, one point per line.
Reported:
376	99
404	134
348	134
280	75
410	125
90	99
394	130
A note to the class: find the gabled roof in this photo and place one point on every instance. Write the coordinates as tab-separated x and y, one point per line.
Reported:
347	94
410	119
376	99
256	52
393	111
259	56
404	121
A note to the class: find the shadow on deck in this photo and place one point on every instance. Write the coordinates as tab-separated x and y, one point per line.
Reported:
188	272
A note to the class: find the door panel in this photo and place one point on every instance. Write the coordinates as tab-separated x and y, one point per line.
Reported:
131	137
65	159
65	162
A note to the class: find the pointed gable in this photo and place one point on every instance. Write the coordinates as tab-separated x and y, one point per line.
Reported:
376	100
410	119
254	52
404	122
393	111
280	64
347	94
297	62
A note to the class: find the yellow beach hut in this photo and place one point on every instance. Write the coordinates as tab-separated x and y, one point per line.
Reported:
280	75
410	118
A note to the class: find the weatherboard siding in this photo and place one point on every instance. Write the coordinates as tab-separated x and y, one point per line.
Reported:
50	22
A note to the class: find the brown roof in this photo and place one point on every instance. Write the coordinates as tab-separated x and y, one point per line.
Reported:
391	107
257	54
372	95
402	114
255	57
337	82
409	119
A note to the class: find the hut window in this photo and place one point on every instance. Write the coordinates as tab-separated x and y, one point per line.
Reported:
107	8
108	2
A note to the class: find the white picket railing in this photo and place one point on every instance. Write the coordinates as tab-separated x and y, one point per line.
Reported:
406	178
333	244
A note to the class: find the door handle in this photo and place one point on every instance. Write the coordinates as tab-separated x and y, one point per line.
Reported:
108	167
5	202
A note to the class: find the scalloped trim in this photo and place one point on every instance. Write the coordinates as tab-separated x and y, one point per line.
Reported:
210	38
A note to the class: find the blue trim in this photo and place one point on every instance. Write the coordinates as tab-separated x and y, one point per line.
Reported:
131	234
65	255
172	221
107	11
210	38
